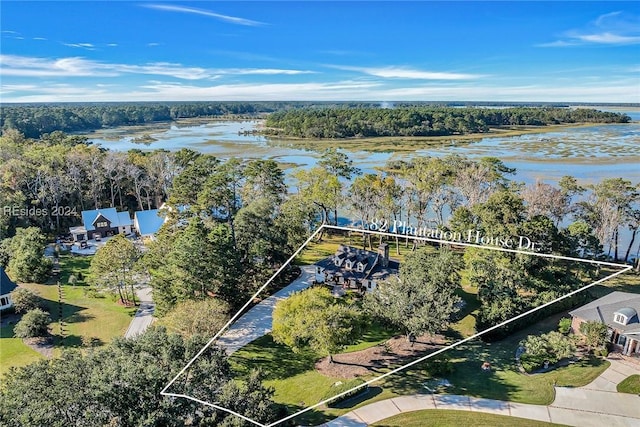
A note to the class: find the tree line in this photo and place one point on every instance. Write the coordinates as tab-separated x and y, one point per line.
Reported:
421	121
34	120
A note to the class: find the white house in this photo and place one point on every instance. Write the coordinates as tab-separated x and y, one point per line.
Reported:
6	287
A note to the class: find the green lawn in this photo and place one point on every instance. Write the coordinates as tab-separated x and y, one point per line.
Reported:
448	418
13	352
83	316
630	385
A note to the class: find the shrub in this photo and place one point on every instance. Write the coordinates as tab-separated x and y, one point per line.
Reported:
550	347
595	334
564	325
25	300
337	389
33	324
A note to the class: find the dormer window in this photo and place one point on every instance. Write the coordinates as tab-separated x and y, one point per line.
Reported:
360	267
625	315
348	264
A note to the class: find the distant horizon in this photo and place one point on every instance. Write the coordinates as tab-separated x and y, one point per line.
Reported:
336	101
189	51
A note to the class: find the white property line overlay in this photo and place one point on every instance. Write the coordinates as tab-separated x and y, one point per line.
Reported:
403	367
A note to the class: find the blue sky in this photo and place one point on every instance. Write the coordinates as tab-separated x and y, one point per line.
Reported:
181	51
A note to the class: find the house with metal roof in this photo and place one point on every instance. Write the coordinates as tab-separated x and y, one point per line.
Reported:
100	223
148	223
6	287
619	311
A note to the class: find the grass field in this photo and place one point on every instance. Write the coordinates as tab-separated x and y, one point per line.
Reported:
84	316
13	352
630	385
448	418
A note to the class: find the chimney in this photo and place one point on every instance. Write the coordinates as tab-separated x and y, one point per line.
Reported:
383	252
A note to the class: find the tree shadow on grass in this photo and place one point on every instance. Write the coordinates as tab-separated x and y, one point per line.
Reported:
276	361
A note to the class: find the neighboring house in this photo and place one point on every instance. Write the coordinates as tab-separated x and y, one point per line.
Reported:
147	223
102	223
6	287
619	311
352	268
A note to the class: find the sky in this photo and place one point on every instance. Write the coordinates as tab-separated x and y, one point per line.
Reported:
94	51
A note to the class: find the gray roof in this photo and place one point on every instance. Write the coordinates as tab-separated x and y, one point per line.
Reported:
6	285
372	265
604	309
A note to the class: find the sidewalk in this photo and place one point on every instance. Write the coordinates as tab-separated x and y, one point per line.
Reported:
258	321
595	405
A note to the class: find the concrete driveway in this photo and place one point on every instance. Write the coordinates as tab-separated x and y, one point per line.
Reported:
258	321
144	315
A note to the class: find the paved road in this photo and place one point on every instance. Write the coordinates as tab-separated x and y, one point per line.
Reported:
258	320
144	315
593	405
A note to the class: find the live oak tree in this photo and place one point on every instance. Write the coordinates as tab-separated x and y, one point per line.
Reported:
120	385
314	318
423	298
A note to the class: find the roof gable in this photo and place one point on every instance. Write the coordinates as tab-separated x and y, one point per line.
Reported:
149	222
6	284
605	308
117	219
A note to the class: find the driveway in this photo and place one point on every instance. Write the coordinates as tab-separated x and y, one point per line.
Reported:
594	405
258	321
144	315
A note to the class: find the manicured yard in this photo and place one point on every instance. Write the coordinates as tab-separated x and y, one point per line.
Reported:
447	418
84	316
630	385
13	352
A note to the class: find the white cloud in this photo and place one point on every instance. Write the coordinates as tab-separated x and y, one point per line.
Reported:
112	44
393	72
349	90
23	66
192	10
614	28
609	38
87	46
39	38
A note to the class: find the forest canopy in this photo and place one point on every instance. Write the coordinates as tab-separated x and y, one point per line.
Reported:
422	121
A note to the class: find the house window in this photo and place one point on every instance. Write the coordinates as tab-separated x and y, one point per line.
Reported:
620	318
102	224
4	301
622	340
360	267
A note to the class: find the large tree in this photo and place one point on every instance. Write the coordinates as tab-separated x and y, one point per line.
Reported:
26	256
120	385
314	318
113	267
423	297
